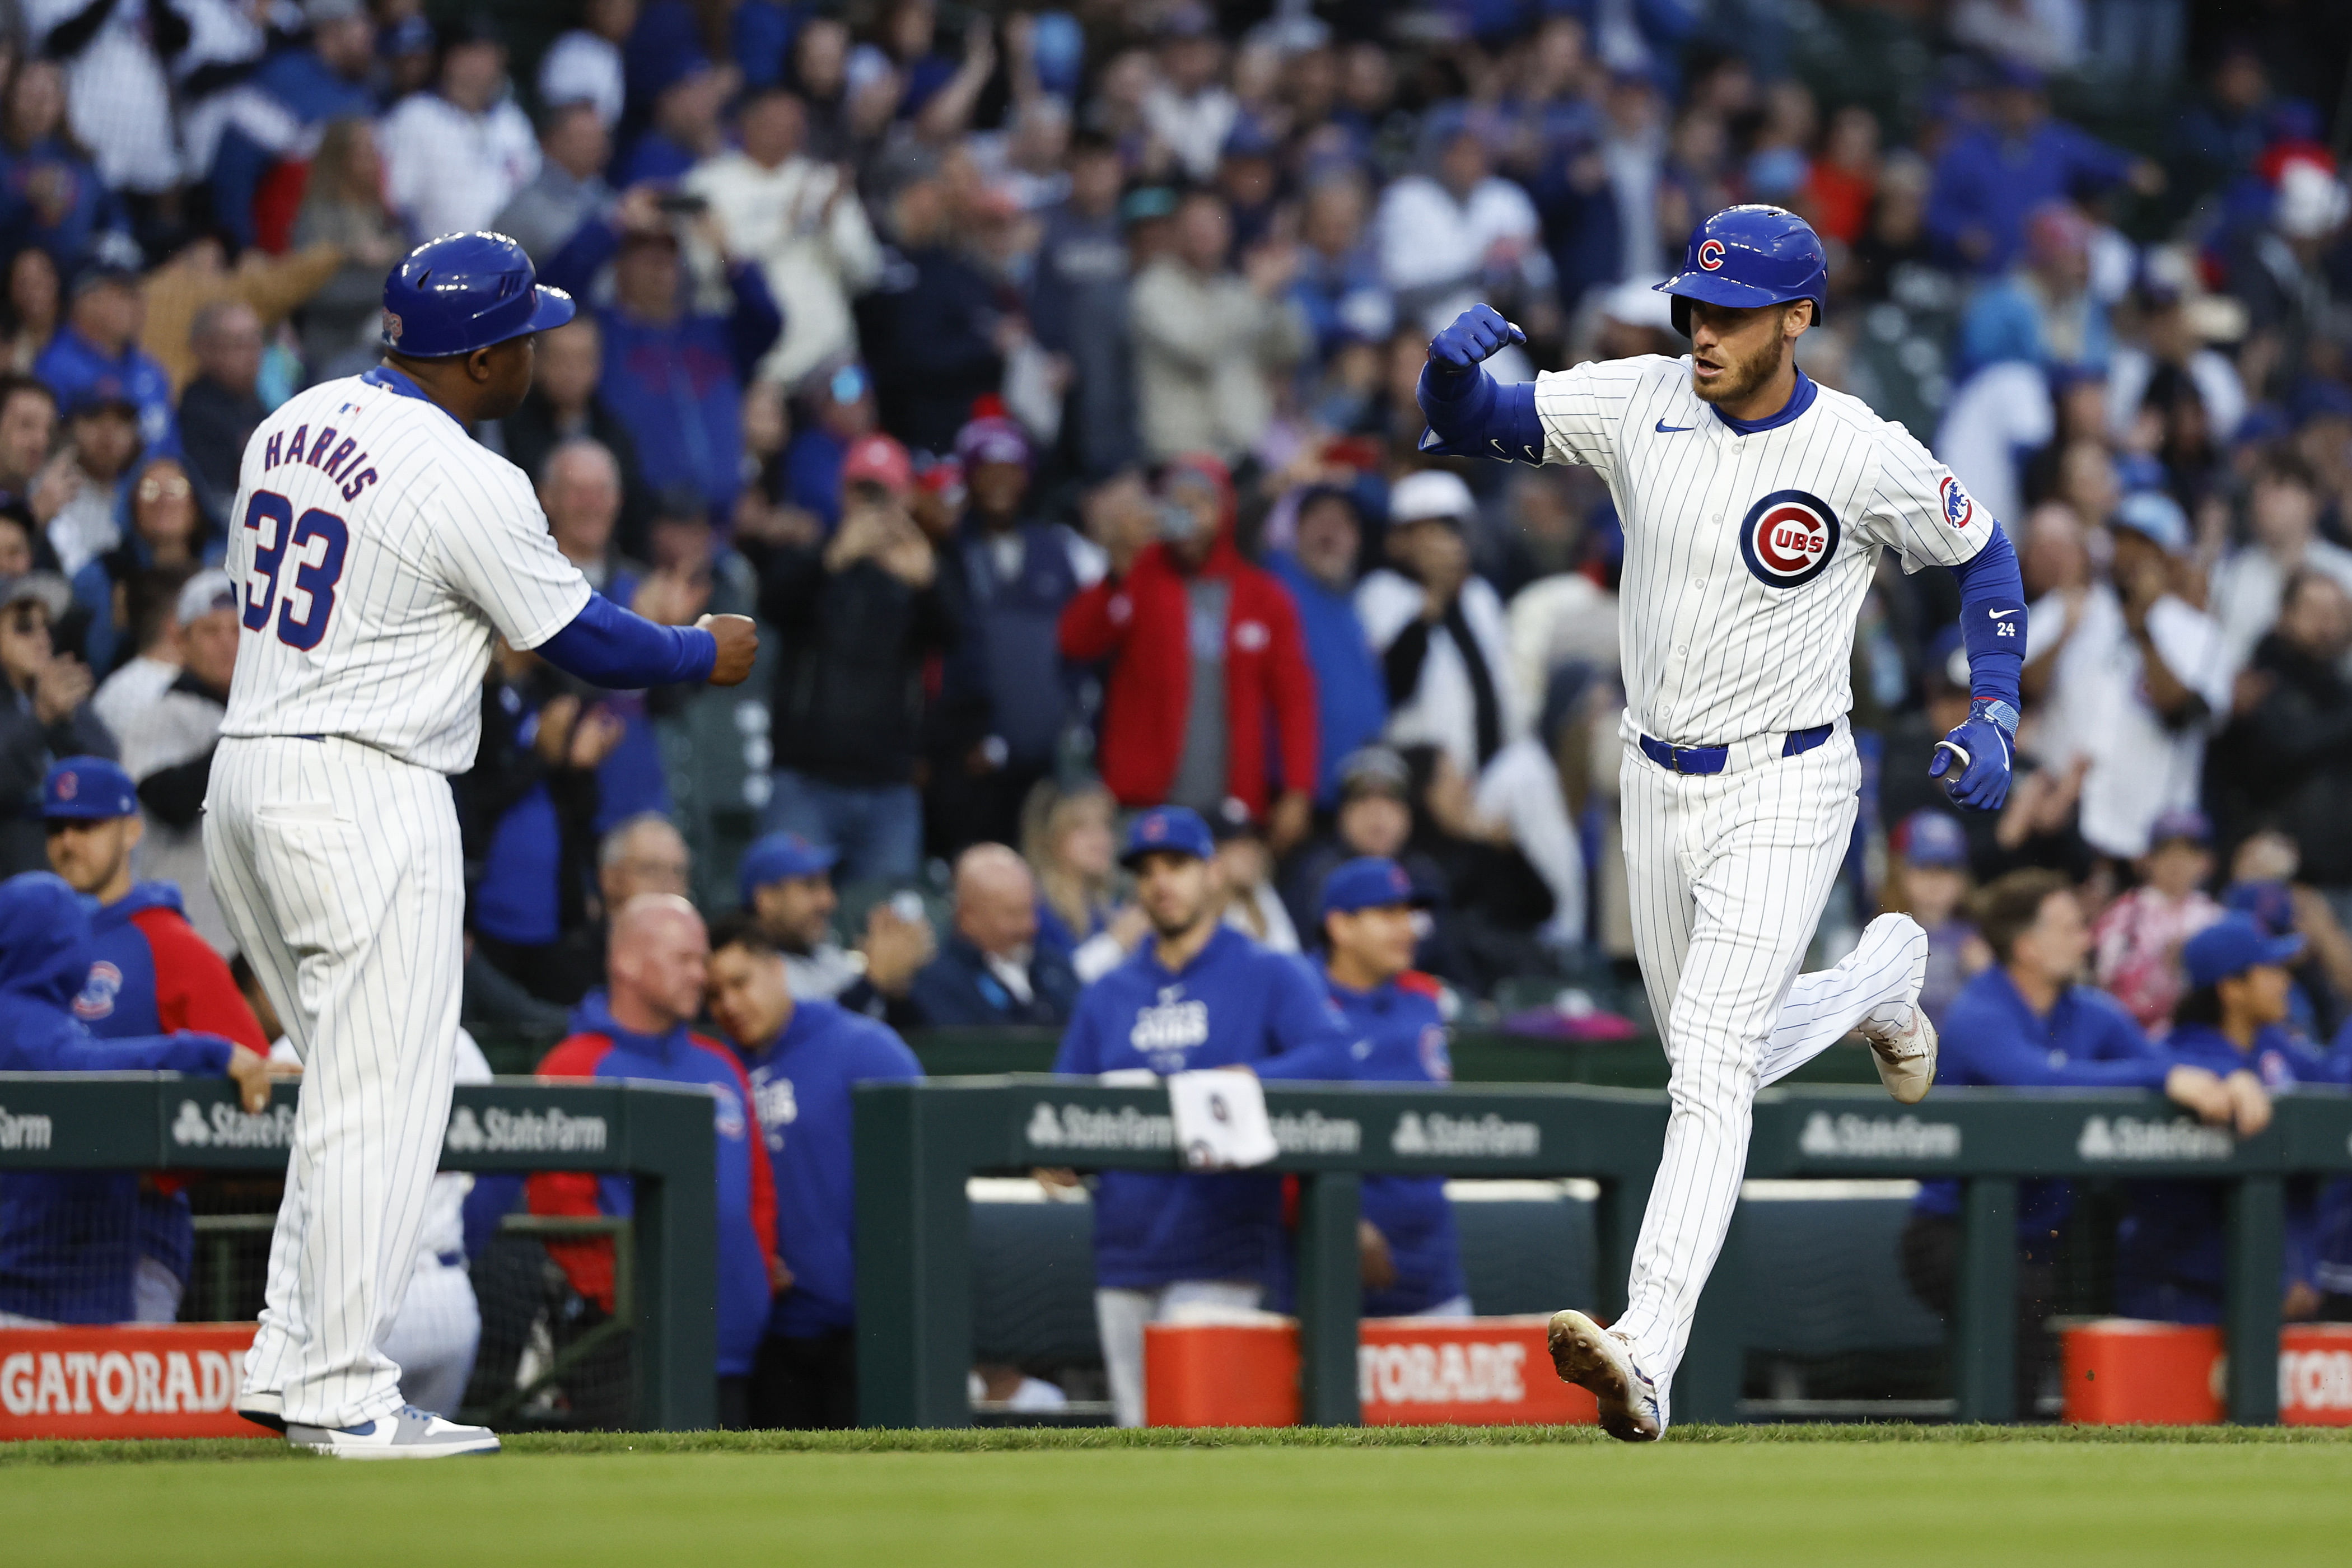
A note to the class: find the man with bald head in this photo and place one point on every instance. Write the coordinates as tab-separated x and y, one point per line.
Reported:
658	961
804	1056
990	971
579	491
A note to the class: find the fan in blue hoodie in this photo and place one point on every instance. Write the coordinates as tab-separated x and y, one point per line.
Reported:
69	1241
2169	1255
1412	1263
1198	996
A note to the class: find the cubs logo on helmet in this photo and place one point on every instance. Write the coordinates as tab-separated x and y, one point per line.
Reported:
1710	254
1788	538
1958	510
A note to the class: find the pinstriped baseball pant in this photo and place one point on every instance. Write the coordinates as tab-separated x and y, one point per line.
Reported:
339	869
1728	874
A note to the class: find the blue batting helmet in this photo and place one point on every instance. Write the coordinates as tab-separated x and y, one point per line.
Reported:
1748	255
466	291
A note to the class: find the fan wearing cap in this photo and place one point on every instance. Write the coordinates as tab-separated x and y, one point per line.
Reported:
2233	1021
1929	880
45	711
1371	914
1196	995
150	974
454	156
102	442
1374	818
97	351
1207	666
858	618
787	886
2139	936
1445	652
2133	675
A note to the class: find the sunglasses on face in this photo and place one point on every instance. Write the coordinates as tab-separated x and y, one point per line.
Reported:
165	489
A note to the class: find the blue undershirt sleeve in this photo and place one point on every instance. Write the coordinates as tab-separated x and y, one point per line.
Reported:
607	646
1474	416
1992	620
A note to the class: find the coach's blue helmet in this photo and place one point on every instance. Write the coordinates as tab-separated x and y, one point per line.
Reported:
1748	255
466	291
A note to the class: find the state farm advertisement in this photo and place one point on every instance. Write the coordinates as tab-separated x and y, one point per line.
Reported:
165	1380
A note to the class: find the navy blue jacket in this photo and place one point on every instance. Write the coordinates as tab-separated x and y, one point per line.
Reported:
2169	1259
801	1082
1015	633
69	1241
1401	1038
1234	1004
1991	1037
956	990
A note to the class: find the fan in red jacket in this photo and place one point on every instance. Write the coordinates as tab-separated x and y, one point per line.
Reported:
1161	741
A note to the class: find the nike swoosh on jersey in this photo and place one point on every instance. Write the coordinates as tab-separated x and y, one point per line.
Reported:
1665	428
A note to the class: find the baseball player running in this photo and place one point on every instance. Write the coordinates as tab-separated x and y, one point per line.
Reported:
1755	503
379	553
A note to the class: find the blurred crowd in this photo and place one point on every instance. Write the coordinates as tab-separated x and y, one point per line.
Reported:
1042	381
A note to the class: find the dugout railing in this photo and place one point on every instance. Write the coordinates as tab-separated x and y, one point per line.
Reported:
662	1135
918	1145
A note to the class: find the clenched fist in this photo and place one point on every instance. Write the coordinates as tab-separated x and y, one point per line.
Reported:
739	644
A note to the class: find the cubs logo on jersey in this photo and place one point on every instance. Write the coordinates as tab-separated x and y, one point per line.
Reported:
1788	538
104	984
1958	510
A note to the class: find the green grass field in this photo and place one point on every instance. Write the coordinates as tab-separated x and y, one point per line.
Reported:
1916	1496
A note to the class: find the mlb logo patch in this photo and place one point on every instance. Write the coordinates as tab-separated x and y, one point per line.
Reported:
1958	510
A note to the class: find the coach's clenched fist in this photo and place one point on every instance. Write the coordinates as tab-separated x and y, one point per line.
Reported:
739	644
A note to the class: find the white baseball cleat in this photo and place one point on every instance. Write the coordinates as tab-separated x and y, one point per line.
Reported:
1602	1363
407	1432
1902	1046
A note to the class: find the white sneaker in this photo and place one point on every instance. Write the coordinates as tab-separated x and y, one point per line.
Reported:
406	1433
1602	1363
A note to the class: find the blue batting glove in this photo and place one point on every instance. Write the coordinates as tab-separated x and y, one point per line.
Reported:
1477	334
1974	760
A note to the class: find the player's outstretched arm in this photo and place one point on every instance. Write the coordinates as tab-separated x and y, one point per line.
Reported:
1469	415
607	646
1974	761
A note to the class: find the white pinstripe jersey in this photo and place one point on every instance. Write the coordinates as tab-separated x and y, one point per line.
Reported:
1746	557
378	549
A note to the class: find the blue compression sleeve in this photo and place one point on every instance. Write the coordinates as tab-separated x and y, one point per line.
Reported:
1472	417
610	647
1992	620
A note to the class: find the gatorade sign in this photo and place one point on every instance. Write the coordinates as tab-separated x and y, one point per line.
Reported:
165	1380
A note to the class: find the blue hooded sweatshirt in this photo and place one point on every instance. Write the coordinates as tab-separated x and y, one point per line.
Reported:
801	1082
1401	1039
600	1048
1234	1004
69	1241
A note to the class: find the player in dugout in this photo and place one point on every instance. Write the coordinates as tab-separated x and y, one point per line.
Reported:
2024	1023
1412	1258
1198	994
150	974
2170	1257
68	1251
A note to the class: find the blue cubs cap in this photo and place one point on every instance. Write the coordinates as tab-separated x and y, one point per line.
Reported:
1932	838
466	291
1176	828
2230	946
1370	882
782	857
2155	517
91	789
1748	255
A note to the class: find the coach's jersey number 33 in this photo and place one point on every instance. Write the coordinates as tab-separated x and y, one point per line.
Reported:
316	541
